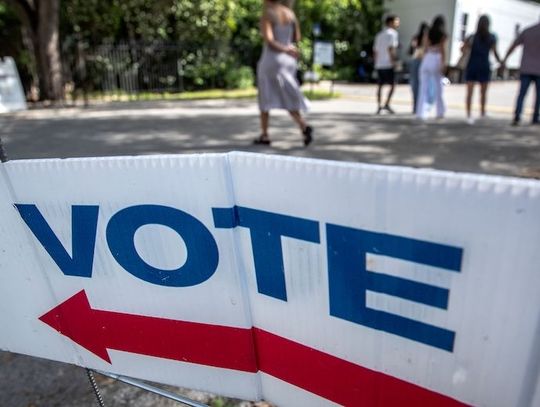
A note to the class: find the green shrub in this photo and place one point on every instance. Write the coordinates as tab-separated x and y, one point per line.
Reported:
239	78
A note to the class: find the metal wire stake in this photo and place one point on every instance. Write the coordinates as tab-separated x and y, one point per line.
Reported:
95	387
3	155
152	389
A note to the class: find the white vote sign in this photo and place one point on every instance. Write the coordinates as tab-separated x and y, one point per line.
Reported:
11	90
298	281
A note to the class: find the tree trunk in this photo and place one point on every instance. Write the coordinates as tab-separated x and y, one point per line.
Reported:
42	18
47	50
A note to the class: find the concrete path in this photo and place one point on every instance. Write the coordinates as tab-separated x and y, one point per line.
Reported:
345	129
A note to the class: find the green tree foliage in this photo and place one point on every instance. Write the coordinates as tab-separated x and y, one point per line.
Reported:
196	22
203	22
218	35
10	32
349	24
246	39
98	21
10	44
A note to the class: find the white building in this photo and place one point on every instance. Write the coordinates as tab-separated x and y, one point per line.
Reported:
508	17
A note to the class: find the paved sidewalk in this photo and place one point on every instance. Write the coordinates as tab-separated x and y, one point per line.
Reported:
500	101
345	129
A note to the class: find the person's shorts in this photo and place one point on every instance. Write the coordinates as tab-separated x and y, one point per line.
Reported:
386	76
475	74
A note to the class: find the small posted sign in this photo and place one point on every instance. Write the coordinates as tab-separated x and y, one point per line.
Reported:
323	53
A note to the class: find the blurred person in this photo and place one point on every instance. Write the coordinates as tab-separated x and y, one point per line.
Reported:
529	69
385	55
277	68
432	69
416	51
478	69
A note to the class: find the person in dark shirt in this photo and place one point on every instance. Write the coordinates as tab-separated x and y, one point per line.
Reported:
478	69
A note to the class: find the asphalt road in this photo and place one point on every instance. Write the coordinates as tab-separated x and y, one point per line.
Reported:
346	129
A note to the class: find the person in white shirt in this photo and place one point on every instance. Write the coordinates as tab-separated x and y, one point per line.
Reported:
385	55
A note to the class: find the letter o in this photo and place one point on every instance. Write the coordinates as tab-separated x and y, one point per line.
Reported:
202	251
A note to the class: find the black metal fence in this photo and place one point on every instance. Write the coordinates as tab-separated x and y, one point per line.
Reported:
136	68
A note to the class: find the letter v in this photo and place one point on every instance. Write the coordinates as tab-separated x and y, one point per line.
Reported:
83	228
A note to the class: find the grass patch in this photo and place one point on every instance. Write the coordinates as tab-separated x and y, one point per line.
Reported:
318	94
250	93
192	95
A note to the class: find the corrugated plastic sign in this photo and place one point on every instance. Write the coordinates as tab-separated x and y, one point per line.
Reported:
298	281
11	91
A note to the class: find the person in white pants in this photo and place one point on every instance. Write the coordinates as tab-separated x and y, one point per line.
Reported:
432	70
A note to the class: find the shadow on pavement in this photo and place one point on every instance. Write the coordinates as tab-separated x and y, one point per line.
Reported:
490	146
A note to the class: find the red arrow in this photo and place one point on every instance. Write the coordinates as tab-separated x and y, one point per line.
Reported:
97	331
248	350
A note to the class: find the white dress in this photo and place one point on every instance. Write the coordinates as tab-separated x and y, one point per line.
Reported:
430	76
277	85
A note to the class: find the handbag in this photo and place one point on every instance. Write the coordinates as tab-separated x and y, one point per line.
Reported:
300	76
465	53
299	71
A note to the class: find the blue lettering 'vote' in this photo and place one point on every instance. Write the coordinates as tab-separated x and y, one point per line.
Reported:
202	250
348	276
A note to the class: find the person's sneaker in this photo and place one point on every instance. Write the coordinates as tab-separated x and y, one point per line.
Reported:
379	110
515	123
389	109
470	121
535	123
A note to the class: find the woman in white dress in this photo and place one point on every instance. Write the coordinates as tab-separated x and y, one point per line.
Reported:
277	85
432	69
